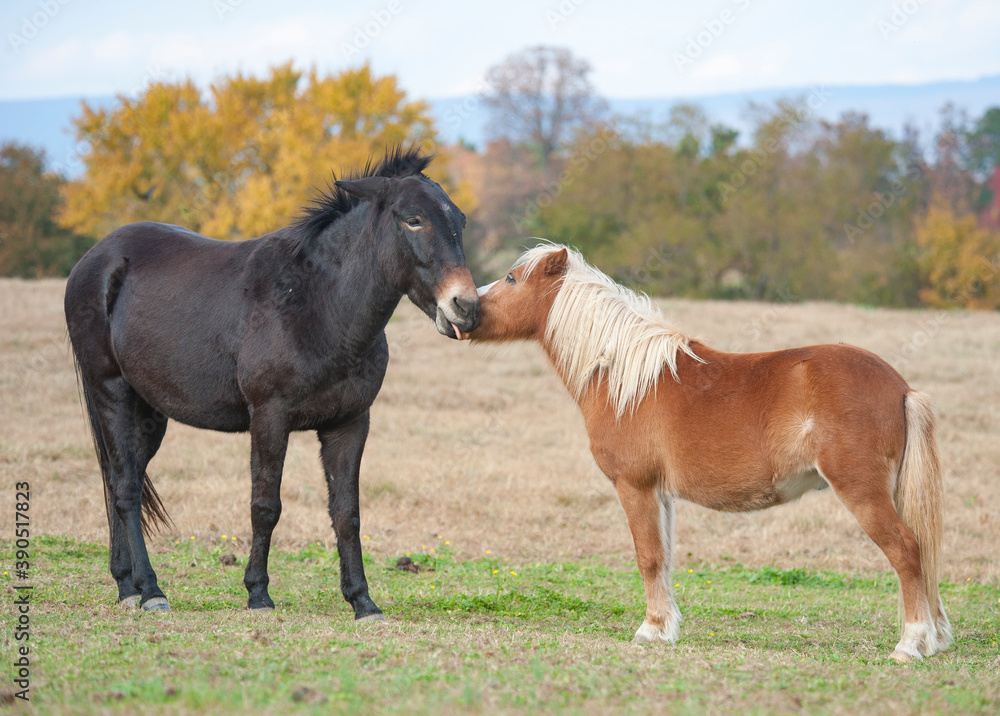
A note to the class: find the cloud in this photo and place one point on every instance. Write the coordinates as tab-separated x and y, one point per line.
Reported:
116	47
443	49
717	68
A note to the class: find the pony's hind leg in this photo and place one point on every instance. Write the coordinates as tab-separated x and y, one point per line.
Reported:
150	427
651	520
116	408
871	503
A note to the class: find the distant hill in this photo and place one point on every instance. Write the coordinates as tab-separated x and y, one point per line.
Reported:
46	122
888	106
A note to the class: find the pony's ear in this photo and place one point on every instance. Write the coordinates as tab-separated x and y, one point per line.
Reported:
367	189
555	262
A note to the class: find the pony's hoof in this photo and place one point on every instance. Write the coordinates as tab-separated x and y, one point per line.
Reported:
649	634
640	638
370	618
261	610
156	604
131	602
902	657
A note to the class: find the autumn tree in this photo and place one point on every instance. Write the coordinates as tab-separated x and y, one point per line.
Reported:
983	159
983	143
539	96
505	184
950	181
960	261
803	209
241	159
31	243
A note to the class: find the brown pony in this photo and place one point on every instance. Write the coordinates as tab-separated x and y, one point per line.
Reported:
670	417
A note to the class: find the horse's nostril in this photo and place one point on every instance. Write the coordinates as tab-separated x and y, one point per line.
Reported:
467	309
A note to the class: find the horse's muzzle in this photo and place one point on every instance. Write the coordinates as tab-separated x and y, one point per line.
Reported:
458	317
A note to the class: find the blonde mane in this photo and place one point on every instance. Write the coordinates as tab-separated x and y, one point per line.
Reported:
597	326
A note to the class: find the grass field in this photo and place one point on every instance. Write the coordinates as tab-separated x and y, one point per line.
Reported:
492	635
478	461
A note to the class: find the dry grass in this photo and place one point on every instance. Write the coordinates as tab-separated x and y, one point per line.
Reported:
486	448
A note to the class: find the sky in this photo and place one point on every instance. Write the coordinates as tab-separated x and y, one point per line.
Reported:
72	48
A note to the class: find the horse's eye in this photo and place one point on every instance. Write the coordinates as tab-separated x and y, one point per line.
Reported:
414	222
510	278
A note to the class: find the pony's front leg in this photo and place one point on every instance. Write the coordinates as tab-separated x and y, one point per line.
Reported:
268	443
341	448
651	519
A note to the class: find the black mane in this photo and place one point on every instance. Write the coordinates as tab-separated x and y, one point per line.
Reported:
333	202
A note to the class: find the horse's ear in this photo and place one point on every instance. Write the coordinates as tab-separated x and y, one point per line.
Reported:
555	262
367	189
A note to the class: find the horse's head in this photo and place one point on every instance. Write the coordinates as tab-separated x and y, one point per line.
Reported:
420	249
517	306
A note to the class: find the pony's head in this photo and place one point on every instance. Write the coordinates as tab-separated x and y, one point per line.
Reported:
517	306
587	323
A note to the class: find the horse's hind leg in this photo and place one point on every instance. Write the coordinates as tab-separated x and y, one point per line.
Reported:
651	519
867	495
150	427
121	562
117	409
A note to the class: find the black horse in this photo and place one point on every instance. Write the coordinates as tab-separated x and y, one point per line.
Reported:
280	333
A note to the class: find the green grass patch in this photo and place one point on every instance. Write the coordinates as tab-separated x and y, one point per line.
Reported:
483	636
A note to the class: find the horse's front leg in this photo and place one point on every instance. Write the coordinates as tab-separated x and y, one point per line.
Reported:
341	449
651	519
268	443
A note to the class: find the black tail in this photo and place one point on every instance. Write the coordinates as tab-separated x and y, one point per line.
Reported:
154	515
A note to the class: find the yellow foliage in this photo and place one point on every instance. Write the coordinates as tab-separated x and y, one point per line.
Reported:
960	261
460	188
241	159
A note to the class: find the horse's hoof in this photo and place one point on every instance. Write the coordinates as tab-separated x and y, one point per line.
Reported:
156	604
377	617
902	657
261	610
129	602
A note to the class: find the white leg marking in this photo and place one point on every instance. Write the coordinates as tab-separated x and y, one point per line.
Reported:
661	608
666	634
919	639
943	628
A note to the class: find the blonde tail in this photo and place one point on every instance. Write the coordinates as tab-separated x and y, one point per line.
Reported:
919	501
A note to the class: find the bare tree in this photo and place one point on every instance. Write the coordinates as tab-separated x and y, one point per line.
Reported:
950	183
539	95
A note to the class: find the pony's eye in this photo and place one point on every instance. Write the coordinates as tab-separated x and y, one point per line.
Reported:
510	278
414	222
